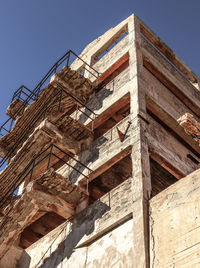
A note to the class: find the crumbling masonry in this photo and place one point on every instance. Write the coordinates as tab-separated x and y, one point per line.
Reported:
96	158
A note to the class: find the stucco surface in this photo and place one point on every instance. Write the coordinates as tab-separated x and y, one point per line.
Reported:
175	225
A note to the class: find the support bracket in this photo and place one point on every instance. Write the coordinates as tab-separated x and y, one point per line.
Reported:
123	135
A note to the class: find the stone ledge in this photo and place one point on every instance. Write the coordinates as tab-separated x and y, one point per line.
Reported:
49	193
191	126
78	86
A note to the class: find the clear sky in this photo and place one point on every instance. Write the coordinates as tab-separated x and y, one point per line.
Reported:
35	33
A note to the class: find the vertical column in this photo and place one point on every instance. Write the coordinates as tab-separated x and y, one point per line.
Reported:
140	155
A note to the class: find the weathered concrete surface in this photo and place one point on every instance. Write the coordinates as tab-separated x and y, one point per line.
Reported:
78	86
73	138
163	48
175	225
163	96
97	47
10	175
50	192
172	76
53	183
69	132
12	257
73	82
114	249
30	118
166	105
117	224
16	109
191	126
102	228
103	149
113	55
109	94
161	142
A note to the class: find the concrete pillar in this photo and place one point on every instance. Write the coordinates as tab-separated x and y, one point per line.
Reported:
140	156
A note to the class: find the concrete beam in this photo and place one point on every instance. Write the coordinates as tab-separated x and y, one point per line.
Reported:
171	78
49	193
191	126
173	154
141	188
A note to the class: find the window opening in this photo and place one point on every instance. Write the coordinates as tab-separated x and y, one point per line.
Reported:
160	178
40	228
110	179
167	59
113	119
112	45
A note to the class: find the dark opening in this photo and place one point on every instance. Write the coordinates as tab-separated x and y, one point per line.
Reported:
112	120
160	178
40	228
110	179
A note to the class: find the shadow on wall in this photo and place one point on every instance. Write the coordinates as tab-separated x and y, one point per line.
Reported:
96	103
84	224
86	157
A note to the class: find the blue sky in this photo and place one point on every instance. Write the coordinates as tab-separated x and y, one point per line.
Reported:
35	33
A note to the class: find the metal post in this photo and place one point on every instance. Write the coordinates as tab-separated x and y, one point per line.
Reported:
60	101
68	59
50	154
11	123
55	68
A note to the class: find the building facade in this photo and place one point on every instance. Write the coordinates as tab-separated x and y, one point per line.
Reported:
103	158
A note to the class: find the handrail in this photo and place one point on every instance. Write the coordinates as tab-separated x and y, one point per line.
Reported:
58	97
34	94
19	92
29	169
37	90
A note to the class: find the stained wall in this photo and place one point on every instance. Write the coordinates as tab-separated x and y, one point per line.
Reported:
175	225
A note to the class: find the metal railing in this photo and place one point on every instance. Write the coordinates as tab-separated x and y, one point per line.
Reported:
57	98
48	155
23	90
31	95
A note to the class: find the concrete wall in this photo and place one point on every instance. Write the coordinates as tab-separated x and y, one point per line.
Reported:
100	236
113	231
175	225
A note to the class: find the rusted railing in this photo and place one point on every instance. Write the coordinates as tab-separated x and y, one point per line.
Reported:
51	153
31	95
56	98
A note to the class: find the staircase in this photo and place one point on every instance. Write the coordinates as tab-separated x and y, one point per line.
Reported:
44	135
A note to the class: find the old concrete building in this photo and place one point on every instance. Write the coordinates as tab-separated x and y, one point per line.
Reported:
104	154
